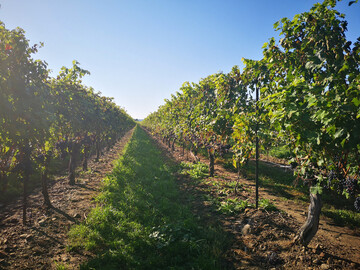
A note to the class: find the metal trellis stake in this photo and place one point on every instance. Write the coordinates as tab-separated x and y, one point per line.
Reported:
257	150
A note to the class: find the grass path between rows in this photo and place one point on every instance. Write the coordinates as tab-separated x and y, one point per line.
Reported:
141	222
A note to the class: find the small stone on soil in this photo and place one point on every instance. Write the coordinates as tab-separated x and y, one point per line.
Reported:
324	266
246	229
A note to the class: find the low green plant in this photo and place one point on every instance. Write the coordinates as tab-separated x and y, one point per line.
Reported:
282	152
231	206
342	216
60	266
267	205
197	171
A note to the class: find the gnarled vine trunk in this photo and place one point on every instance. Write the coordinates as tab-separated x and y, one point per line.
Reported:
310	227
173	144
25	194
238	168
212	161
27	172
169	142
193	154
85	158
98	150
72	163
45	191
3	182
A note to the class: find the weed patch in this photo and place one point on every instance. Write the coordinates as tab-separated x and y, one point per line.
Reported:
196	171
342	216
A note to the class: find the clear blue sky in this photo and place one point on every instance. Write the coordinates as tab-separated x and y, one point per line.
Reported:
141	51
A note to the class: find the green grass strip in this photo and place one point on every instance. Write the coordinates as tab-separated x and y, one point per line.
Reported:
140	221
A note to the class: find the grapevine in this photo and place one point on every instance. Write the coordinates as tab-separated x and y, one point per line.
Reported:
309	100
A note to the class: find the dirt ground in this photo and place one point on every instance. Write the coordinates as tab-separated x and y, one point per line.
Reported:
259	239
264	240
42	243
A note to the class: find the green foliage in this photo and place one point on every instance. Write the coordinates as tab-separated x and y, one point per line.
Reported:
140	221
282	152
60	266
342	216
309	101
232	206
312	96
196	171
38	113
267	205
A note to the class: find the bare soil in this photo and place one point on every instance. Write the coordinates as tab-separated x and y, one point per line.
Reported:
42	243
264	240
